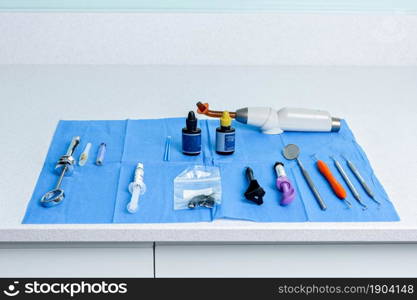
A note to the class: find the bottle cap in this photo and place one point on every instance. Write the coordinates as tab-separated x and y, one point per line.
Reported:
226	120
191	121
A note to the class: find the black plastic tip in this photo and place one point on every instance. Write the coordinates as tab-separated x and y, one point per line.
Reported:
191	121
249	174
255	192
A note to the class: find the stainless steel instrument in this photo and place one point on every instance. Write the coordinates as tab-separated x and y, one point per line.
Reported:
349	183
65	166
291	152
359	177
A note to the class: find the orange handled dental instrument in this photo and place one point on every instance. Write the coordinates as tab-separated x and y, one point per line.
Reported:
335	185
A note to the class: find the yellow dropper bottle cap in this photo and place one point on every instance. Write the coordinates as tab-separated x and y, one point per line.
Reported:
226	120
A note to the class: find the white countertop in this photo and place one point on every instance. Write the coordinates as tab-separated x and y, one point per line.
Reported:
377	102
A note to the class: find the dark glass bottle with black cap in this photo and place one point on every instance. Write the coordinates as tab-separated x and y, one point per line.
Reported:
191	136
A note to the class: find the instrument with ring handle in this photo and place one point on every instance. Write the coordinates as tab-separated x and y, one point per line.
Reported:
66	166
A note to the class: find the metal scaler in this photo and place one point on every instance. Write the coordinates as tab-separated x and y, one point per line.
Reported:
255	192
136	188
358	175
65	167
349	183
284	185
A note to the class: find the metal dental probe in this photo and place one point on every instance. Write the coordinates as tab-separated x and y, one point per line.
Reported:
66	164
358	175
349	183
291	152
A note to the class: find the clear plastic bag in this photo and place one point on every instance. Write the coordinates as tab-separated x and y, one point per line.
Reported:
198	186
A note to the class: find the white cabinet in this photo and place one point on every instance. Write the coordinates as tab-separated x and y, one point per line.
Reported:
324	260
47	260
134	260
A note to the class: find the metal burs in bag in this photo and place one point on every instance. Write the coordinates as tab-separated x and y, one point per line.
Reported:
197	186
206	201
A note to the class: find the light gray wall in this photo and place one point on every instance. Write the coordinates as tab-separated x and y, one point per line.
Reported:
210	38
